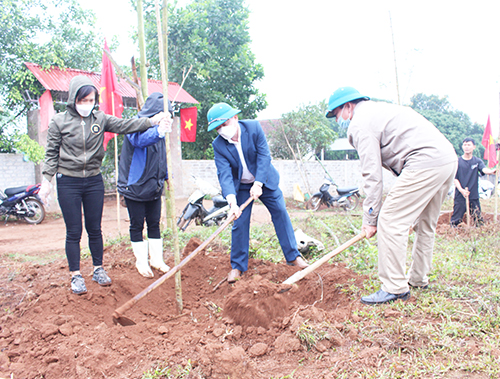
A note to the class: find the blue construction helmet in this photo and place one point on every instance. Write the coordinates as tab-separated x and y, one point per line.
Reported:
341	96
219	114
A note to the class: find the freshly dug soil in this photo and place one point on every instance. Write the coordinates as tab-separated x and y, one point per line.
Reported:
245	330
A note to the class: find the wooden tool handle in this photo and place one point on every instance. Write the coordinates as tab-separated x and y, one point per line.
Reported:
129	304
467	207
300	274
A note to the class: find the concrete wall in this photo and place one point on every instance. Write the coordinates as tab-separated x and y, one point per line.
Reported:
309	177
344	173
15	171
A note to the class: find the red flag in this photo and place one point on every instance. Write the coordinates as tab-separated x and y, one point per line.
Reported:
188	124
490	152
110	99
46	110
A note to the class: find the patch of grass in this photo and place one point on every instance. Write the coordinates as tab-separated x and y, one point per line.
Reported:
310	334
165	371
41	259
450	330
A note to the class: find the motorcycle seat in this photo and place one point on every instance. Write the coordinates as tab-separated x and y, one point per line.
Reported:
345	190
219	201
12	191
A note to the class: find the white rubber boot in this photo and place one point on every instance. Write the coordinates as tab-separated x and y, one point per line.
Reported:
141	258
156	254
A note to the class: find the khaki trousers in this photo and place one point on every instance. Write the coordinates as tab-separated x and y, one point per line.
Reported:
414	200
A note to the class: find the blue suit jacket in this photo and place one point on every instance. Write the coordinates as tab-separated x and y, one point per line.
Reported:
257	158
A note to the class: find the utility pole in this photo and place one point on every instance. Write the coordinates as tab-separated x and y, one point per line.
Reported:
395	64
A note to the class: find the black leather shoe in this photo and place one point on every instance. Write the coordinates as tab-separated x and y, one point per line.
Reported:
419	287
382	297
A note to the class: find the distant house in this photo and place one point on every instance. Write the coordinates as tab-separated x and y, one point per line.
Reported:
340	149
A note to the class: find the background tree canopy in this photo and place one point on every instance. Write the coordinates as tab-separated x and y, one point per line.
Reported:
455	125
306	127
213	36
46	32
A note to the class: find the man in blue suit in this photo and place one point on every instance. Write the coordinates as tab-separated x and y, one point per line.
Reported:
244	169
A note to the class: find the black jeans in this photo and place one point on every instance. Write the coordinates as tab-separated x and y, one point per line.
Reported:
72	194
460	208
139	211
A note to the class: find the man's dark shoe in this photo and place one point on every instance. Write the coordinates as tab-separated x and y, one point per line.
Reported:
419	287
78	285
382	297
101	277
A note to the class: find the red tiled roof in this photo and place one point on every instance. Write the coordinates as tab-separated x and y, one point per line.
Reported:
57	79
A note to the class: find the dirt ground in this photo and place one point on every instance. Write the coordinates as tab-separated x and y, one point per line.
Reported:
245	330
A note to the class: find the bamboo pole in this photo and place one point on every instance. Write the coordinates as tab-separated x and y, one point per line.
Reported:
170	192
142	48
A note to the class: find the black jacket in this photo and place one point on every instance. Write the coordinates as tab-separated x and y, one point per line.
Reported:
143	162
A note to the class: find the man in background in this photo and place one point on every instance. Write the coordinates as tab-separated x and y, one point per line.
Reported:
466	184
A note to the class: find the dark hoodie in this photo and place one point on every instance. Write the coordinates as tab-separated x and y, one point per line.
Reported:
75	143
143	160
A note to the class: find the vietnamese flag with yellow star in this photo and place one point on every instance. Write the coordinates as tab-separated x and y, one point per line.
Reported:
488	142
188	124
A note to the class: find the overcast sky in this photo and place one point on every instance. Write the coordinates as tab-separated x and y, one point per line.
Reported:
310	48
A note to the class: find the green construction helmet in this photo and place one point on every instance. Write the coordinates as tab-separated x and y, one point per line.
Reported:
219	114
341	96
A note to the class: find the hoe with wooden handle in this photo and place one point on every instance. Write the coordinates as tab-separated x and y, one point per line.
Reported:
300	274
118	317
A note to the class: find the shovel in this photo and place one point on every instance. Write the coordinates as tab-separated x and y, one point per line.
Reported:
300	274
118	317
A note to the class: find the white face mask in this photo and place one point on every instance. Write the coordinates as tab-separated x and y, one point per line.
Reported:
227	132
84	109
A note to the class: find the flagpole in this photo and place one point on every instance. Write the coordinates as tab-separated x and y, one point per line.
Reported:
496	173
163	52
496	186
116	167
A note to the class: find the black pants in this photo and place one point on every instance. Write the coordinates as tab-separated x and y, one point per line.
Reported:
459	209
72	194
139	211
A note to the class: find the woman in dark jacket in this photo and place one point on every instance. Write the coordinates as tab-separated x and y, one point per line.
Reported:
142	174
74	154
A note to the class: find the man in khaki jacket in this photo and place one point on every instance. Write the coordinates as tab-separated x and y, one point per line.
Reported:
402	141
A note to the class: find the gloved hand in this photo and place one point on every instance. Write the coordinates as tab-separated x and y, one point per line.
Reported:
165	125
45	190
156	119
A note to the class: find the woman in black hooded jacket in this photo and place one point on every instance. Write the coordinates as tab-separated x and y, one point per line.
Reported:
74	155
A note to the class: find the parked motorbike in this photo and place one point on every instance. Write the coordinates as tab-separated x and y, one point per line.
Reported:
22	202
346	198
196	211
485	188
